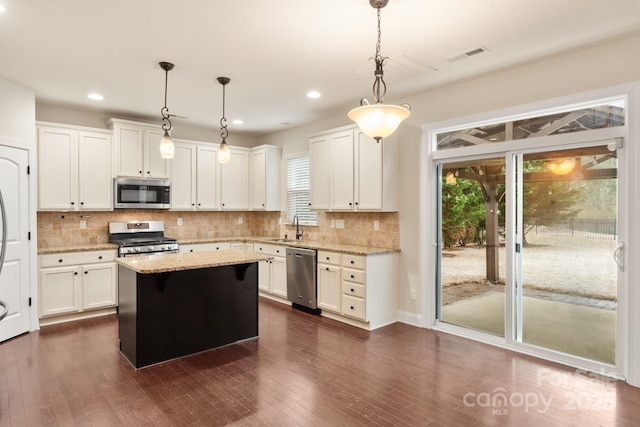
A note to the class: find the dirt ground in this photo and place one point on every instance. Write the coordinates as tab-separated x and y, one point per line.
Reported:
567	265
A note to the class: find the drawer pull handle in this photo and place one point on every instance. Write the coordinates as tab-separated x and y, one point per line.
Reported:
59	260
353	262
75	273
328	258
352	290
327	268
100	257
352	276
86	272
352	308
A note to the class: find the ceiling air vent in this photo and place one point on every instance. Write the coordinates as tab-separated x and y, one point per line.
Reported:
467	54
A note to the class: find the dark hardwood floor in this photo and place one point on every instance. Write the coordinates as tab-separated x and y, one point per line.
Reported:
304	370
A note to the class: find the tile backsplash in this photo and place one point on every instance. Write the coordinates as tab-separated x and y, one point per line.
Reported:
57	229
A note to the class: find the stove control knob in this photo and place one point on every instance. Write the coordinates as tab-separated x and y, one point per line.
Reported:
137	249
150	248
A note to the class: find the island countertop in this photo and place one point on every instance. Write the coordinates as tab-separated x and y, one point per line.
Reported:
149	264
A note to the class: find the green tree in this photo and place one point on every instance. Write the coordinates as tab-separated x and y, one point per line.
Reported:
462	212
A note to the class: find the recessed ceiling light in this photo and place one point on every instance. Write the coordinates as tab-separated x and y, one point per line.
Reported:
95	96
313	94
238	122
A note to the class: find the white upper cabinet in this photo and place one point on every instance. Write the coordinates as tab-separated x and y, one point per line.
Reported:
74	168
320	171
194	174
207	178
352	172
266	172
234	181
137	150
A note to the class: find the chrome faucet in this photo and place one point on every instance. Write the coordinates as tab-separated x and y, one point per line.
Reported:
296	222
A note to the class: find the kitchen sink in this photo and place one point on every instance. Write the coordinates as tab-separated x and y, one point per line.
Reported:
282	240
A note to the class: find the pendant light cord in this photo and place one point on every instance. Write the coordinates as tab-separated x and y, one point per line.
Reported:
223	121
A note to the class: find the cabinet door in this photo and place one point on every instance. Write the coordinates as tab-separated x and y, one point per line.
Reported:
320	158
258	180
279	276
99	286
154	165
207	178
57	167
183	177
95	181
329	288
60	290
234	181
342	171
264	276
129	147
368	179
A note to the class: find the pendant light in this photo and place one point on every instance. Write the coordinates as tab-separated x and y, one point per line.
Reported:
224	154
166	144
379	120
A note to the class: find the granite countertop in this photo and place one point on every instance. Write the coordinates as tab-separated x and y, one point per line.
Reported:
323	246
148	264
77	248
305	244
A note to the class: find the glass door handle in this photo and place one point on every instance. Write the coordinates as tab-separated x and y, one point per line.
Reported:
618	256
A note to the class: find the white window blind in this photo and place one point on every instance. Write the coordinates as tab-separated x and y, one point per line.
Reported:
298	191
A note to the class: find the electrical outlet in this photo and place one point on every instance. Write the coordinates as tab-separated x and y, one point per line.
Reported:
83	224
412	295
376	225
333	223
179	221
339	223
240	220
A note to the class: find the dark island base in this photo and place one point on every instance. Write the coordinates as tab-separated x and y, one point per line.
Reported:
163	316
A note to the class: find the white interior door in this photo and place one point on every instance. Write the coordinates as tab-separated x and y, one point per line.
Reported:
14	276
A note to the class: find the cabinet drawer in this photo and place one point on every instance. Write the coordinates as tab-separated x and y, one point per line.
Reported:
76	258
325	257
353	289
270	249
353	261
353	307
351	275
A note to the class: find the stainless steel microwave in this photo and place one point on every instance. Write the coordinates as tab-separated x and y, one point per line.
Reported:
142	193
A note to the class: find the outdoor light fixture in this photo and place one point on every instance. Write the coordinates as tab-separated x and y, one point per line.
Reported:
224	154
561	166
166	144
379	120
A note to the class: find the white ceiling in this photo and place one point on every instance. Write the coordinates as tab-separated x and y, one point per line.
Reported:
275	52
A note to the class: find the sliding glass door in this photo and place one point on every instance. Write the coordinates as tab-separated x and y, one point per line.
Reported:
566	276
528	248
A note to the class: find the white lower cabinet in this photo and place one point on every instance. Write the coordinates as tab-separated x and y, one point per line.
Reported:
77	282
272	274
360	290
353	286
242	247
329	281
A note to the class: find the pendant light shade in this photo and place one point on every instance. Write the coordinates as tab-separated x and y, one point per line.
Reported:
167	148
224	153
379	120
166	143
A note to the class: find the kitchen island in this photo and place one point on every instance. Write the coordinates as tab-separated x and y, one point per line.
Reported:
173	305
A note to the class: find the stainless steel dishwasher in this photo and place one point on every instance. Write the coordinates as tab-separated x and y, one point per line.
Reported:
301	277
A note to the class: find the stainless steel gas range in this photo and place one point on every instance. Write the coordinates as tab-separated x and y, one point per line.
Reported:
141	238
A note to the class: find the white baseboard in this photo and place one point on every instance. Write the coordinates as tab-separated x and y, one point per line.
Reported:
412	319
